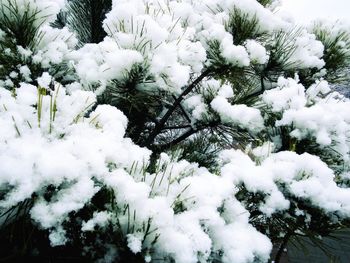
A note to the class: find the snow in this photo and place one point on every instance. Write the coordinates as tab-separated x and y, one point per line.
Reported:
308	51
306	175
103	62
77	152
73	159
99	219
47	9
314	113
165	63
257	52
56	136
25	72
235	55
289	94
54	46
134	243
240	114
236	251
45	80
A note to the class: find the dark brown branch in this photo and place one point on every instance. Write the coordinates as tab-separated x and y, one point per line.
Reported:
184	113
179	139
252	95
262	84
159	126
249	96
187	134
283	246
178	127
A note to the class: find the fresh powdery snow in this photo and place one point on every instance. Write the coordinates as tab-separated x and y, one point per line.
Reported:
73	153
55	135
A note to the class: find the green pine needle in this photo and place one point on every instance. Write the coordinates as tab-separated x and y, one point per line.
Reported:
243	26
85	17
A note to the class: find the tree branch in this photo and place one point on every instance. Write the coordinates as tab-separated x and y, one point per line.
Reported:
185	135
178	127
184	113
282	246
159	126
252	95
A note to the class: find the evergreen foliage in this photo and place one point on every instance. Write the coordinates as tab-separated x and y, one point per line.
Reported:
265	2
174	130
336	51
85	19
19	29
131	96
243	27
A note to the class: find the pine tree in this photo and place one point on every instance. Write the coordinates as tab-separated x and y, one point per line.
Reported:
178	96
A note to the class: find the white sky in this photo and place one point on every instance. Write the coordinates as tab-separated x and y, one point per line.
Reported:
306	10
